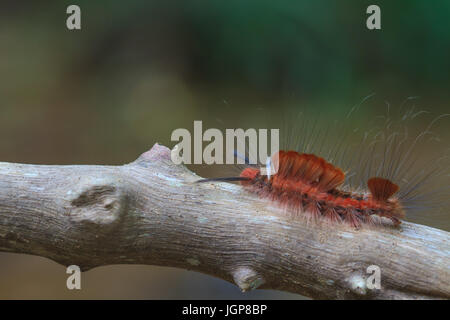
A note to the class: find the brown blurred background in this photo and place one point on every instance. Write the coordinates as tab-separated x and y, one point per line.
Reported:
137	70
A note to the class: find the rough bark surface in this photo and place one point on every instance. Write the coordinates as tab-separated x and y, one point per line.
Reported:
151	212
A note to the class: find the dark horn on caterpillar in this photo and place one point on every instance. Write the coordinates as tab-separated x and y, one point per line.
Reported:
225	179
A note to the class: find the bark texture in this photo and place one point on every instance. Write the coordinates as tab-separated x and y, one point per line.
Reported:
151	212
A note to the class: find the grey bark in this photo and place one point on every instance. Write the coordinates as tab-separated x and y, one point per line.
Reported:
151	212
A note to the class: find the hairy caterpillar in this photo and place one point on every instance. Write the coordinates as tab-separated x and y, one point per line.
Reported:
388	172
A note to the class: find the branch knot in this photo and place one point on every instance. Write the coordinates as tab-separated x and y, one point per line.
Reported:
98	204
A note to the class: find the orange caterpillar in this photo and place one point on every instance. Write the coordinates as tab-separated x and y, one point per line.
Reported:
307	183
391	168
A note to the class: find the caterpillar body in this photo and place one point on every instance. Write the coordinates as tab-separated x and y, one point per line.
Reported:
307	183
388	173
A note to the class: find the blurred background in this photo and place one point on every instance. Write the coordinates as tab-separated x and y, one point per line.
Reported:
137	70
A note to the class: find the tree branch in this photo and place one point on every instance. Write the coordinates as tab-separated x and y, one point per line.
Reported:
151	212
